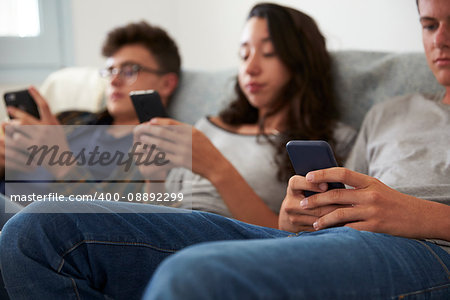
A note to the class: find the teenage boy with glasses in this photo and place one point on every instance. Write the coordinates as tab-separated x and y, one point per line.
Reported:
139	57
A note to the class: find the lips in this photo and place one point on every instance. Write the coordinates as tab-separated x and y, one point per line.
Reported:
254	87
116	95
442	61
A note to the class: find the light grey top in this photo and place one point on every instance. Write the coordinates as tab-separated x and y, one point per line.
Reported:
405	143
253	158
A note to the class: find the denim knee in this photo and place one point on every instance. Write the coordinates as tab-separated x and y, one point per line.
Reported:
197	272
34	217
30	230
21	223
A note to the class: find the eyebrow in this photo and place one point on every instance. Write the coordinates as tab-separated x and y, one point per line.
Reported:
426	19
264	40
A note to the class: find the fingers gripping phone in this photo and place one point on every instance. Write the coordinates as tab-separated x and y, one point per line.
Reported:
148	105
23	101
307	156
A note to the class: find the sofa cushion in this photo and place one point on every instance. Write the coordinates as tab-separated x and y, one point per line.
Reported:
365	78
202	93
74	88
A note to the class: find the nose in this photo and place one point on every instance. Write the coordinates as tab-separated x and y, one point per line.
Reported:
253	64
116	79
442	36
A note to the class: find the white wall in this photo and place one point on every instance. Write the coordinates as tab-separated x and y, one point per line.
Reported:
92	19
208	31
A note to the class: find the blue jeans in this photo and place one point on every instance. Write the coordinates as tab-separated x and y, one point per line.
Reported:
12	208
7	209
112	255
337	263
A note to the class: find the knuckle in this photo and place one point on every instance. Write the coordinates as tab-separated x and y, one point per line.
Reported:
336	193
291	220
318	212
319	174
289	208
372	196
340	214
293	181
344	174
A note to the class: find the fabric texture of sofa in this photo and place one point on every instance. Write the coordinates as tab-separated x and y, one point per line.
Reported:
361	79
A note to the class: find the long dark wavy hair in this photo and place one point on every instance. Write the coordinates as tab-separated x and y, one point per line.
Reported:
309	94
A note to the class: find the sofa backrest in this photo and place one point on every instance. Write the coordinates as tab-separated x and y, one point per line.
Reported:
201	93
366	78
361	79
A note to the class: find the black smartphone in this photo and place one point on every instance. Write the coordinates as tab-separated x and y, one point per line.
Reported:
148	105
23	101
309	156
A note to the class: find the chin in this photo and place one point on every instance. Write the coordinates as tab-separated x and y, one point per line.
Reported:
257	102
115	110
111	108
444	79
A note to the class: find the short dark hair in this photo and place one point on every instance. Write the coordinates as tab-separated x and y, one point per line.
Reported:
153	38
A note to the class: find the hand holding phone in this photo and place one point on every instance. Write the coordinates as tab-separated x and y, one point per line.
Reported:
307	156
23	101
148	105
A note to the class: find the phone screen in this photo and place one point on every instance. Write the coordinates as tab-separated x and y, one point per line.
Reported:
307	156
23	101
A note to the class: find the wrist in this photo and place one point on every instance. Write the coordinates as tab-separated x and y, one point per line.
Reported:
438	223
222	171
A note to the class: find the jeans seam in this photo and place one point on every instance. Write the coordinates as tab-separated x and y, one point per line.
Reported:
293	235
437	258
401	296
75	289
444	267
115	243
74	285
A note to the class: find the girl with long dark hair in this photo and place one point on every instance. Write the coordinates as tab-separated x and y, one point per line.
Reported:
284	91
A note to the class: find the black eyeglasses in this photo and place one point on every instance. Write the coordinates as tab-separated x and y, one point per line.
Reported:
128	73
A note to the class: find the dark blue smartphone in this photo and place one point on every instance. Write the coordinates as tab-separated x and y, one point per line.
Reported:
309	156
148	105
23	101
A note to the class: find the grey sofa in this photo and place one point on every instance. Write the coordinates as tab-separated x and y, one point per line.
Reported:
361	79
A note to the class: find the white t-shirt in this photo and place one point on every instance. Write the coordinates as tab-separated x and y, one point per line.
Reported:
405	143
253	158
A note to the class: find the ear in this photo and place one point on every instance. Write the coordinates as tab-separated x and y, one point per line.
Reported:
168	85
